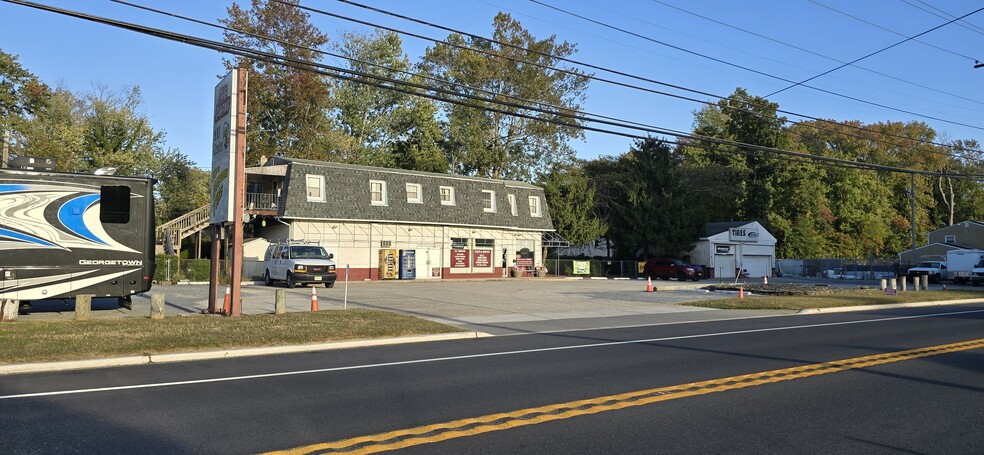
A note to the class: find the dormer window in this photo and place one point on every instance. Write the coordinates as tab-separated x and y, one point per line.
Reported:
447	195
488	201
377	192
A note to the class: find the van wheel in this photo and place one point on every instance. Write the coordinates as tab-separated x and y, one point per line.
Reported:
266	278
330	285
290	280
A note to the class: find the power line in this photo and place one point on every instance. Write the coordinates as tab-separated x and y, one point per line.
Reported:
829	92
331	71
877	52
815	2
407	73
587	116
561	108
575	62
942	15
802	49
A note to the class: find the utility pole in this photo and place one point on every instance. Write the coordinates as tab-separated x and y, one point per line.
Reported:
6	148
912	204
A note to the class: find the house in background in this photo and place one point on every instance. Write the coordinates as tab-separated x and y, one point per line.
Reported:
960	236
370	218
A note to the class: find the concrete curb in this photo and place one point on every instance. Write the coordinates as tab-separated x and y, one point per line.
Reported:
147	359
845	309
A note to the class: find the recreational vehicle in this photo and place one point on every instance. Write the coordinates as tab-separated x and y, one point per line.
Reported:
65	234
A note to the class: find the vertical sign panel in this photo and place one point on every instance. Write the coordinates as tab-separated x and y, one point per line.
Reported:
224	149
459	259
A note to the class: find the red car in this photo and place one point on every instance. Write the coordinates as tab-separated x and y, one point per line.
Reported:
670	268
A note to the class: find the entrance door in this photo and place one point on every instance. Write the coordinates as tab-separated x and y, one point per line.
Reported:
724	266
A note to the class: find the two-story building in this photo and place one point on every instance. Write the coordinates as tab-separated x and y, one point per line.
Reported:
960	236
370	218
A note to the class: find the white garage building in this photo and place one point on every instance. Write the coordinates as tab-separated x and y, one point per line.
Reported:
734	245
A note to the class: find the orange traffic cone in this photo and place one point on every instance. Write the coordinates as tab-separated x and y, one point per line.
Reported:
649	284
765	280
741	293
227	302
314	298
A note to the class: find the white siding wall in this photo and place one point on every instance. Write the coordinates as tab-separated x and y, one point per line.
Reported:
358	244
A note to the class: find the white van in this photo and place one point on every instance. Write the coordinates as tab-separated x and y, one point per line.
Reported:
298	263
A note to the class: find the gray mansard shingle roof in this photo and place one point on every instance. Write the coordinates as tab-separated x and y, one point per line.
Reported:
347	197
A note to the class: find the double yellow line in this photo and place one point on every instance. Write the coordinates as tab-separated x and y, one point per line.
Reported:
532	416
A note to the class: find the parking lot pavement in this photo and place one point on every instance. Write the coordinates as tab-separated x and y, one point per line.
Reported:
495	306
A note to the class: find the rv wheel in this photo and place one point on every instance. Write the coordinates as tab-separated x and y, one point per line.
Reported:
125	302
24	308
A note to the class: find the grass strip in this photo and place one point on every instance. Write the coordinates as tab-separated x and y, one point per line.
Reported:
44	341
838	299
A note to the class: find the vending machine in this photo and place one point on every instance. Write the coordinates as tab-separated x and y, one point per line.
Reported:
408	264
388	264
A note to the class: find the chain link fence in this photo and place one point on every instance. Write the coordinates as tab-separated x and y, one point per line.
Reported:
594	268
841	269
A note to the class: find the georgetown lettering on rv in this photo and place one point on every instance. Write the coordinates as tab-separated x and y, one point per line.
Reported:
122	262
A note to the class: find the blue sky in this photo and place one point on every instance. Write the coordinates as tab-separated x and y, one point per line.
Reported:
934	77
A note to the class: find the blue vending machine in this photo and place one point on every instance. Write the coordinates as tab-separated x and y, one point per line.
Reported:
408	264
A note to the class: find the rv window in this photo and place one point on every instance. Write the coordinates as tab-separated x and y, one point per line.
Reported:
114	204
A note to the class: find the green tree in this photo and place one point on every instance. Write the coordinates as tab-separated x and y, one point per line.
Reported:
57	131
957	198
287	107
387	127
420	148
181	186
650	205
22	95
570	197
492	144
116	135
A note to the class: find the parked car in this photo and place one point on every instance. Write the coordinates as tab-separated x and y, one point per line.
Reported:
670	268
298	263
936	270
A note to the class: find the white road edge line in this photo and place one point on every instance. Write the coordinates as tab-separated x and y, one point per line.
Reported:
470	356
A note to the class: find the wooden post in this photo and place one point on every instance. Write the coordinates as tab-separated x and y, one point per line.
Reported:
280	305
883	285
905	281
83	307
893	284
8	309
157	306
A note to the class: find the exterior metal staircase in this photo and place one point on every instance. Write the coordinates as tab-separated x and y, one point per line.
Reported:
170	234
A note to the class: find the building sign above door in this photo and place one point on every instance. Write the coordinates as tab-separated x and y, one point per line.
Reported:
743	235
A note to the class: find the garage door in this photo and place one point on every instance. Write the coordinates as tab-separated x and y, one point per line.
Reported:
724	266
757	265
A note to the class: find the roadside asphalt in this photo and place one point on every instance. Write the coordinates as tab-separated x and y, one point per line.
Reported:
473	328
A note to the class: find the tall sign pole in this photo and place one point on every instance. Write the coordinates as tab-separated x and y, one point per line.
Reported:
226	188
236	262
